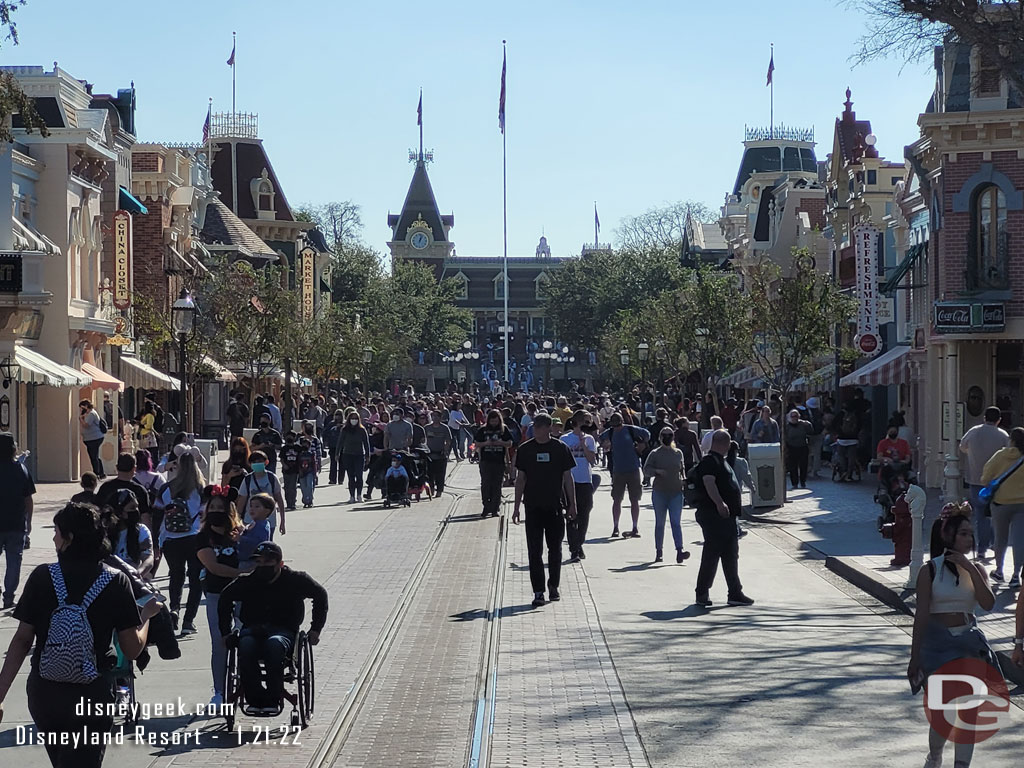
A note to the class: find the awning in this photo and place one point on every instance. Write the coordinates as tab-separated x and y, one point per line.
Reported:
140	375
39	369
822	376
221	373
913	254
128	202
297	378
28	238
890	368
101	379
745	377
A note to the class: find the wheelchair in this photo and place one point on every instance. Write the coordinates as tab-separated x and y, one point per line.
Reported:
299	672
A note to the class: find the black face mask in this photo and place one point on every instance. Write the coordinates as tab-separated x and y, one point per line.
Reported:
892	435
264	573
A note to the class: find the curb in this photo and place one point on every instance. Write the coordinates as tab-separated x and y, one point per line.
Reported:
863	579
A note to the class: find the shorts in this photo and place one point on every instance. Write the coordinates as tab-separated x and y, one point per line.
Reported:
623	481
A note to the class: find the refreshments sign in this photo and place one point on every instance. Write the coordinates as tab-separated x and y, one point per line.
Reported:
865	242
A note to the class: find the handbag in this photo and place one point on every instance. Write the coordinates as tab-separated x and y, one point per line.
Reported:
986	494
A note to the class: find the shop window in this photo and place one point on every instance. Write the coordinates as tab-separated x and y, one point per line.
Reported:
989	246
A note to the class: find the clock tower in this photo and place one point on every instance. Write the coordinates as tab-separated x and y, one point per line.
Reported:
420	231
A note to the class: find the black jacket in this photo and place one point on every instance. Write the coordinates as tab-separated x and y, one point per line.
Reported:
280	603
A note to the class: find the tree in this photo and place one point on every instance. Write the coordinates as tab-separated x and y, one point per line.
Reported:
13	100
660	228
341	222
911	29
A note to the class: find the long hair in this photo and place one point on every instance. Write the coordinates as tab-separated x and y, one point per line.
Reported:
1017	438
187	479
234	523
82	524
944	533
132	521
495	413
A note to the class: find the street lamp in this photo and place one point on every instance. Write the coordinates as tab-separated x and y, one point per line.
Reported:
9	370
643	351
661	356
565	359
183	318
367	359
624	359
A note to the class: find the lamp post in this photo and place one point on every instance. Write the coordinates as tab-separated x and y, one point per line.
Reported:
449	358
549	355
624	359
367	359
9	370
661	356
183	317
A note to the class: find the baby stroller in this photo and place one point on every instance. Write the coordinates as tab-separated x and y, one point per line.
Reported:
396	489
417	464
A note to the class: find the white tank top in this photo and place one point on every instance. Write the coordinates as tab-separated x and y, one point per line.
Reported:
947	595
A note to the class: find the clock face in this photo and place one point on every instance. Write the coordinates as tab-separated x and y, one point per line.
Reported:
420	240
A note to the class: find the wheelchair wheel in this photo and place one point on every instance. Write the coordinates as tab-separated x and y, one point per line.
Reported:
233	691
309	679
303	662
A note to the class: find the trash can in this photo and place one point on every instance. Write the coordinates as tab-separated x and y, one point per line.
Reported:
766	469
209	450
248	432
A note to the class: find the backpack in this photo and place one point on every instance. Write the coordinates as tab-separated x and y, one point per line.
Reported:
639	445
158	420
69	655
103	425
693	487
177	518
153	493
849	424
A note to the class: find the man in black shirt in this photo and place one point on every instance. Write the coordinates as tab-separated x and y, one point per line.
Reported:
272	601
492	443
238	415
125	479
718	504
544	479
268	440
16	489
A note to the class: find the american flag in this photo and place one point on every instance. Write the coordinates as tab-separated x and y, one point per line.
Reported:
501	99
206	125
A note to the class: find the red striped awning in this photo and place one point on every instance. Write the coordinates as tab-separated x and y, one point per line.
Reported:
890	368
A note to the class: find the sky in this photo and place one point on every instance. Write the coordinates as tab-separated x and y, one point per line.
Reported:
629	105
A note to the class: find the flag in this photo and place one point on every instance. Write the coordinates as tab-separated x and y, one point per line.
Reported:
231	59
771	68
501	99
206	125
597	221
419	111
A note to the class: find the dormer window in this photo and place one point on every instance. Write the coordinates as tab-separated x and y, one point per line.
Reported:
461	286
541	284
499	287
262	190
987	81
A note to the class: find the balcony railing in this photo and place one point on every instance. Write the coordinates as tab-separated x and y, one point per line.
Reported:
234	125
777	132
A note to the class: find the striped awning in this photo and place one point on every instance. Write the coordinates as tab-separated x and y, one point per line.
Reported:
36	368
140	375
221	373
101	379
745	377
886	369
824	376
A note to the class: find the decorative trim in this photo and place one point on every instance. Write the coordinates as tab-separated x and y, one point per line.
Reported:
987	174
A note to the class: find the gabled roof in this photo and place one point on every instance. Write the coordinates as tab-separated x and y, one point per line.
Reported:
420	204
850	134
223	227
251	159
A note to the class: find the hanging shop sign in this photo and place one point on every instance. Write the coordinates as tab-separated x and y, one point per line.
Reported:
307	256
10	272
122	259
969	317
865	242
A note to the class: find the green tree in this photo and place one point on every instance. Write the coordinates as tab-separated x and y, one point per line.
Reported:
13	100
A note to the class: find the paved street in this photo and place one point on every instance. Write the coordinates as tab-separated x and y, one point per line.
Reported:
622	672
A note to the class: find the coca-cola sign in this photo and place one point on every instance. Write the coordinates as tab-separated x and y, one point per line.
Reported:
969	317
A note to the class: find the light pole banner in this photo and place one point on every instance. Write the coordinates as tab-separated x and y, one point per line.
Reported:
308	255
865	240
122	259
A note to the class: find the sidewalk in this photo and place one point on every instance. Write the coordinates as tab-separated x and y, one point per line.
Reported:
839	521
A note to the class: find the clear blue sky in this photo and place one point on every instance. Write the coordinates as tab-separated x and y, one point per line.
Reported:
633	105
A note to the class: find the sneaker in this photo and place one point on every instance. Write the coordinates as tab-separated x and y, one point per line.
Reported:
217	701
351	499
188	628
933	761
174	620
741	533
703	602
615	533
996	575
573	559
538	599
367	497
359	498
657	556
740	599
681	554
553	595
581	555
1014	582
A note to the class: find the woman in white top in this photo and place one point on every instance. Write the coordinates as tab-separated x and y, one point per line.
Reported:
949	590
179	533
458	423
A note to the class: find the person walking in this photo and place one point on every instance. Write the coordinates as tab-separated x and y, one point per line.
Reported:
544	483
979	444
949	591
814	446
332	433
458	424
268	440
16	507
92	434
238	415
398	432
261	480
798	436
1008	504
687	442
719	503
493	441
178	536
665	466
439	443
765	429
354	447
625	443
583	448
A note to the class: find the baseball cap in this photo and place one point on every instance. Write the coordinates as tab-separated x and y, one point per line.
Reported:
268	549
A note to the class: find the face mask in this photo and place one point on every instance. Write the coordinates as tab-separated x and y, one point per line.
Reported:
264	573
259	466
892	435
396	417
354	422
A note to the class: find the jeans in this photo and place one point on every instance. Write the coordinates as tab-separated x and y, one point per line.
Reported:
290	482
272	646
796	464
541	525
982	524
673	507
92	447
306	483
576	530
1007	522
180	554
492	476
352	464
53	708
438	470
459	442
721	544
218	653
335	466
12	543
814	446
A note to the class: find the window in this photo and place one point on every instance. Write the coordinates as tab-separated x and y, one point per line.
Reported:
499	287
872	177
988	268
461	286
791	159
540	285
987	81
266	197
538	327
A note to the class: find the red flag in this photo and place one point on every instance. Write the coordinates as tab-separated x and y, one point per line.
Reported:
231	59
771	68
501	99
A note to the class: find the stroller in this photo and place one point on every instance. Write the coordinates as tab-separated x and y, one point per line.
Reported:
396	489
417	464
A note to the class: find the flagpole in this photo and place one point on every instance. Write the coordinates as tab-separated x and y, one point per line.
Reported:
596	227
234	48
420	120
771	99
504	216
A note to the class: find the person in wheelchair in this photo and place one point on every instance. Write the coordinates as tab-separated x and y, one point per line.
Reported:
272	600
893	455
